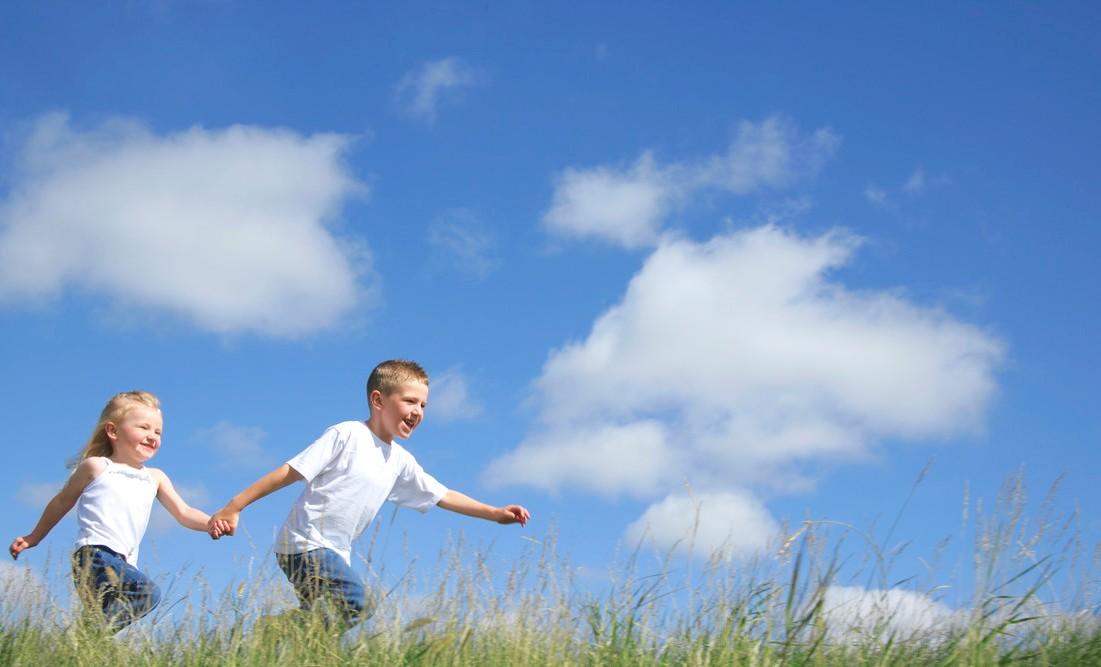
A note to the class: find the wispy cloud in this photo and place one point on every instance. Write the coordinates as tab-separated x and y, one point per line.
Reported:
22	587
876	195
916	183
466	243
236	447
629	206
37	494
227	230
734	362
450	399
420	92
195	495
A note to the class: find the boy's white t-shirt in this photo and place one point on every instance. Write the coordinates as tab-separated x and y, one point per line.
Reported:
349	474
113	511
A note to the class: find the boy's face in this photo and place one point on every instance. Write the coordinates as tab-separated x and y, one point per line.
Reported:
398	413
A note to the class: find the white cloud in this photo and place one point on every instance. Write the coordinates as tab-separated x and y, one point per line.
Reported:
466	242
731	523
747	324
450	400
623	207
854	613
225	229
629	206
746	362
607	460
37	494
420	92
236	447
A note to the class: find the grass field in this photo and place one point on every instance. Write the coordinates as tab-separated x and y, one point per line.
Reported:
1031	601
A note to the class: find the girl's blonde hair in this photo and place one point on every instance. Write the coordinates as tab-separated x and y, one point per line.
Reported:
99	444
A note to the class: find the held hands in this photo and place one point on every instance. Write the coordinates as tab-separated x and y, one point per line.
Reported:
223	522
19	545
513	514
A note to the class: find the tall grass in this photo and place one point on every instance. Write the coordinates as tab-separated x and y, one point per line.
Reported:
824	596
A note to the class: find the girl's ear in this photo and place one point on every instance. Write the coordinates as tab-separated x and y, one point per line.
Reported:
111	430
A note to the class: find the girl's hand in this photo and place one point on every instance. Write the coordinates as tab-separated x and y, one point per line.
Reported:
219	527
223	523
18	546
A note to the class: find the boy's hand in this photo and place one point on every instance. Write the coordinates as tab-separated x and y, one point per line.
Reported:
514	514
223	522
18	546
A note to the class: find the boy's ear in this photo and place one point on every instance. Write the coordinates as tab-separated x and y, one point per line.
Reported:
374	399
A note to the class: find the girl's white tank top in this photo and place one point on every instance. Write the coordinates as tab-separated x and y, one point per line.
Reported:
114	509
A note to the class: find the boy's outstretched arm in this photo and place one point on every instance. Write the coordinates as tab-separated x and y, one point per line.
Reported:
463	504
224	521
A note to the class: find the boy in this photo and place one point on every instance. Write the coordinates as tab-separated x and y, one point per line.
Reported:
349	472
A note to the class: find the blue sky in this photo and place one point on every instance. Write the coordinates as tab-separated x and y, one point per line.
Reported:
765	261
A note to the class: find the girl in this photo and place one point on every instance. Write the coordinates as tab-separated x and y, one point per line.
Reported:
113	491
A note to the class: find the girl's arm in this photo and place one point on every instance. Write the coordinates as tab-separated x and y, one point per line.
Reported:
188	516
60	505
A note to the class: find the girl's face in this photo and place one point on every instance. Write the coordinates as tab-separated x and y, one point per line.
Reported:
137	436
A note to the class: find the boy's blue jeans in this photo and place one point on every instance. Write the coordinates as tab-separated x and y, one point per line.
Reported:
104	580
320	576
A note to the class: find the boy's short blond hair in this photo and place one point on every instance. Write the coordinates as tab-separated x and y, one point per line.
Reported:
388	376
